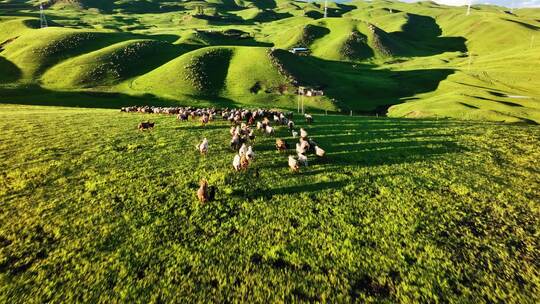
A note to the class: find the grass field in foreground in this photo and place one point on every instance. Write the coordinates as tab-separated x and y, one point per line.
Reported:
400	211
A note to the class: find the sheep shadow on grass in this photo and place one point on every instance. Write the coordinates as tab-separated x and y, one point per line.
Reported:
312	187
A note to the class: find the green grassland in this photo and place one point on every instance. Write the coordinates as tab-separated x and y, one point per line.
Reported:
400	210
386	57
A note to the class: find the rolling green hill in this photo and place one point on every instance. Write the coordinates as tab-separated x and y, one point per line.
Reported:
385	57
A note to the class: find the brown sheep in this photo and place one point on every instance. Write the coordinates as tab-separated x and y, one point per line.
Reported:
204	120
244	162
281	145
202	193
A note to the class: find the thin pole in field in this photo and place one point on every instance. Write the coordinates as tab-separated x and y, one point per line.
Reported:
469	8
42	17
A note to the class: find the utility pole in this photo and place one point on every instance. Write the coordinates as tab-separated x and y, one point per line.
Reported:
325	8
512	8
42	18
469	8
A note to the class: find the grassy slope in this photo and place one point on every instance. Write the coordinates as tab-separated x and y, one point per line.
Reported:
243	74
400	211
502	61
111	65
250	72
330	45
38	50
201	72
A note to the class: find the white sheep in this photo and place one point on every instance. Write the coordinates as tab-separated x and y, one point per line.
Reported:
250	154
243	150
319	152
236	162
203	147
293	164
304	144
302	159
303	133
299	149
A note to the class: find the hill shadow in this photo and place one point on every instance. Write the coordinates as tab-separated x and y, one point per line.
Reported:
359	86
10	72
266	4
225	38
36	95
423	34
526	25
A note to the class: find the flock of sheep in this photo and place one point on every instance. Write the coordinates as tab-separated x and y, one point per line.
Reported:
242	135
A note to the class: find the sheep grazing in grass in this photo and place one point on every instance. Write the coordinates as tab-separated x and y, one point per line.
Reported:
293	164
232	131
237	119
245	129
203	147
235	142
290	125
259	125
294	134
281	145
145	125
251	135
298	148
204	120
182	116
202	193
276	119
265	122
243	149
302	159
244	162
304	144
250	154
303	133
309	118
236	163
319	152
269	130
